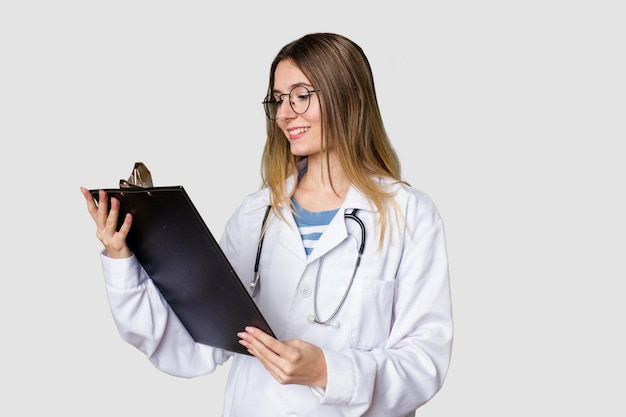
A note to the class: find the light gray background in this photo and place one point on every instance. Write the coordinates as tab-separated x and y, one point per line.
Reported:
509	114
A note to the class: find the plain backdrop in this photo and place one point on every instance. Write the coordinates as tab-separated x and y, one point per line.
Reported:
509	114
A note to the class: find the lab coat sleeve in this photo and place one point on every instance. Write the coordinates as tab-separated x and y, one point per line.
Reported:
410	369
145	320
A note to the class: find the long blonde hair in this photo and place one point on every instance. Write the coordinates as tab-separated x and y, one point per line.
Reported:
339	69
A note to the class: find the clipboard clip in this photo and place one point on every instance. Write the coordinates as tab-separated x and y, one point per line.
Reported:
140	177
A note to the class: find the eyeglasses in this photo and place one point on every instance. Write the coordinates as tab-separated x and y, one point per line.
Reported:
299	100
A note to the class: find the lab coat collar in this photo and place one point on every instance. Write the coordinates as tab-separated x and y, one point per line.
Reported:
335	233
337	230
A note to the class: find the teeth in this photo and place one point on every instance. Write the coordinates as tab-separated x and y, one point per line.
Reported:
298	130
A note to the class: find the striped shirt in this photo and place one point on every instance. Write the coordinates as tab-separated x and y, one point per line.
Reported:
311	224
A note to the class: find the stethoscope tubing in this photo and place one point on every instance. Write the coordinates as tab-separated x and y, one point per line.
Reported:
254	285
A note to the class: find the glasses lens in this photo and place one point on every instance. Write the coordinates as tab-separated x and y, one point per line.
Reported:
300	98
270	104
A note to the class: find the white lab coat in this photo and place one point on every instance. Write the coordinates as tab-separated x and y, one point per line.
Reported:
391	351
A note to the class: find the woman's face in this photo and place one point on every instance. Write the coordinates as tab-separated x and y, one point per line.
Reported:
303	131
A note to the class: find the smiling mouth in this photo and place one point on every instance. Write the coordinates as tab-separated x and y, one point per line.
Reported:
299	131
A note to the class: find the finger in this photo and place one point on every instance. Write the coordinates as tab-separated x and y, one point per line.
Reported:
273	353
266	340
125	228
103	209
268	358
92	208
113	239
253	344
112	217
98	209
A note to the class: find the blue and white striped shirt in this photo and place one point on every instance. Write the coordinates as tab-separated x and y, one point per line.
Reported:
311	224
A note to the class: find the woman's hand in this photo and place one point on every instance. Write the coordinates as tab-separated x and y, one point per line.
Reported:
106	224
290	362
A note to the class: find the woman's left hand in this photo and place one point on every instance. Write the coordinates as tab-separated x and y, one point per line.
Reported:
290	362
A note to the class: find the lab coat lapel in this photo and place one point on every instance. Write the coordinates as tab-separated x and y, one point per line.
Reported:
289	236
337	230
334	234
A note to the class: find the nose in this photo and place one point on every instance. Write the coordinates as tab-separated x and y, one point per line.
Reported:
285	111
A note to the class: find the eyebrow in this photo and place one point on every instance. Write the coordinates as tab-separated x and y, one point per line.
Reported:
292	86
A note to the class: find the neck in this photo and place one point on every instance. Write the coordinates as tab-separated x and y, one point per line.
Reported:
320	188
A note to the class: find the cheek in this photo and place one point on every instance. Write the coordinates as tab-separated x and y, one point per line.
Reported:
315	113
283	128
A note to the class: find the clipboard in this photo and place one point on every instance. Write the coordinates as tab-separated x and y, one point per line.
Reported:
178	251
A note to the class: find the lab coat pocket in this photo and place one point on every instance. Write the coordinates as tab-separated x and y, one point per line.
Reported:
370	313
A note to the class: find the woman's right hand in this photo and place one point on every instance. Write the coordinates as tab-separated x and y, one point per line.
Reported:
114	241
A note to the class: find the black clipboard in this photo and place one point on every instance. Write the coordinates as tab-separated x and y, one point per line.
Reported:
178	251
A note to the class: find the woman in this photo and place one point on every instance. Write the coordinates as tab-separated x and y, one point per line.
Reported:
366	337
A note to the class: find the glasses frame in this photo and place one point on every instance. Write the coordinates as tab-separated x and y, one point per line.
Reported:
280	101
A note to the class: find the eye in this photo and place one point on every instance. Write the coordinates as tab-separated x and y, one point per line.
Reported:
300	94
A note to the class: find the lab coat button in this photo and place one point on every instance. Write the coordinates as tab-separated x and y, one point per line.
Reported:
305	292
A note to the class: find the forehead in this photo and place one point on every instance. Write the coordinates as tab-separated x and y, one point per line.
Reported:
287	76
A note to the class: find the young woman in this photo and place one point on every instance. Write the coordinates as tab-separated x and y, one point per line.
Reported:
353	270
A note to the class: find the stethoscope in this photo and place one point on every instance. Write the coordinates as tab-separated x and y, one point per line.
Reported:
314	318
